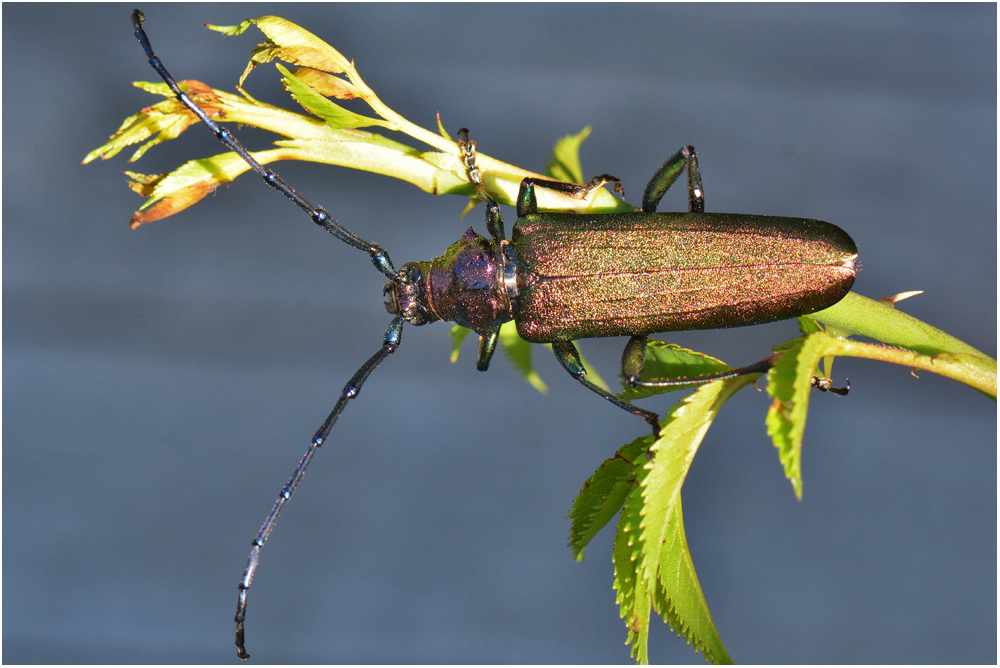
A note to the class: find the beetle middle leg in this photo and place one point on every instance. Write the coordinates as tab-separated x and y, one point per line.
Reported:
569	357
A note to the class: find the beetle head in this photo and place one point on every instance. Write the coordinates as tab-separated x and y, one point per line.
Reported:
405	295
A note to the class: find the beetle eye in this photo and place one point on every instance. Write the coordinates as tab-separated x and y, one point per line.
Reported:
392	302
413	273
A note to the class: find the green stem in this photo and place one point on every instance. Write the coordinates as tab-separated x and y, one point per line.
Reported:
970	369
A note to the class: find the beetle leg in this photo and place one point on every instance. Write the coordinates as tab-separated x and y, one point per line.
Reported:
572	189
633	359
569	357
826	385
487	344
526	201
494	221
668	173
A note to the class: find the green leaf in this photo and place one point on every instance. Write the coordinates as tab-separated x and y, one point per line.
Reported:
603	494
665	565
565	162
789	382
519	352
666	361
335	116
633	593
682	604
807	325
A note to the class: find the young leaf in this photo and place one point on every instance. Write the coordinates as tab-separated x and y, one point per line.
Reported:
326	84
162	121
335	116
789	382
287	41
519	352
603	494
667	361
186	185
458	334
565	162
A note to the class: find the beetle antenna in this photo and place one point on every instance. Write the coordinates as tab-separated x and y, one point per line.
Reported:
319	215
391	342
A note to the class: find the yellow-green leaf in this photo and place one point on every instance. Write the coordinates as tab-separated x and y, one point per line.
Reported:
335	116
519	352
327	84
565	162
458	335
287	41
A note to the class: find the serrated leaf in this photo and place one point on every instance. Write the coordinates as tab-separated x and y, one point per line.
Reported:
665	561
666	361
519	352
335	116
565	162
789	382
633	596
682	605
603	494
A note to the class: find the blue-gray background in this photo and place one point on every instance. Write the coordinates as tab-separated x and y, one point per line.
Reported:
160	384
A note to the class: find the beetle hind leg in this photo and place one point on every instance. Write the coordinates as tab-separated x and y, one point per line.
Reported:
634	359
569	357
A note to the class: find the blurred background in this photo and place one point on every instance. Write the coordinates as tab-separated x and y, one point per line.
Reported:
161	384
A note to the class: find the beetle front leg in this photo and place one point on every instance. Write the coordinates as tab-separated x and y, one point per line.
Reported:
487	344
569	357
526	201
668	173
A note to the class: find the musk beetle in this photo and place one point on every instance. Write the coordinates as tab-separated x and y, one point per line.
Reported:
567	276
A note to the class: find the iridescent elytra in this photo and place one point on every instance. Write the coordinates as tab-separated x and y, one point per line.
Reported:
566	276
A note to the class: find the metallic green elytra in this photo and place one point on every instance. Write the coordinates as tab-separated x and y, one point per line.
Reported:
640	273
567	276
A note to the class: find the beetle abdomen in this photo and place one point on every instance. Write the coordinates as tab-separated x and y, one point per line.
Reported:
635	273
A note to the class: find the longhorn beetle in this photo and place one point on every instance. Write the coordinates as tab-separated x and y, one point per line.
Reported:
567	276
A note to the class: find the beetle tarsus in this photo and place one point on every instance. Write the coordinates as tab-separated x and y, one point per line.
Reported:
826	385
